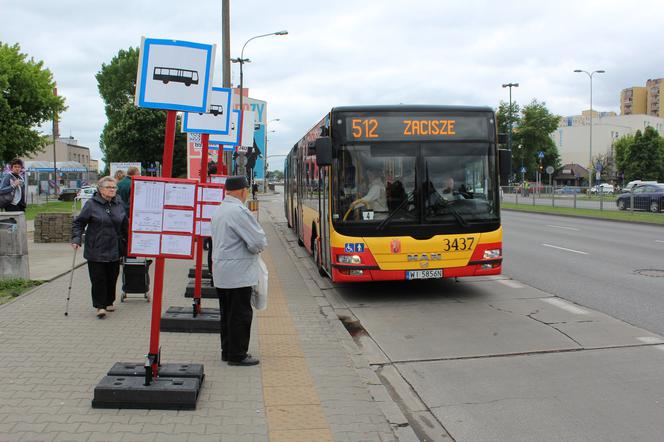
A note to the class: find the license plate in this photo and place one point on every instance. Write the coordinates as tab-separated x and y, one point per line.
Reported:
424	274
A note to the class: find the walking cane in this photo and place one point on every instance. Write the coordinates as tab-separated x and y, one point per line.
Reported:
71	278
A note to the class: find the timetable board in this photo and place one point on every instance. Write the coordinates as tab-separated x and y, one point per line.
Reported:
162	217
209	198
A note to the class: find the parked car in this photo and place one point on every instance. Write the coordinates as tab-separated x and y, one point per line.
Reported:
85	193
67	194
645	197
568	190
602	188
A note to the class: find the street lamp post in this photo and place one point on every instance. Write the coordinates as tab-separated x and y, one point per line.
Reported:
242	61
509	133
591	168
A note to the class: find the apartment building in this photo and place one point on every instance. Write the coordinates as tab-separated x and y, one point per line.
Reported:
643	100
655	105
633	101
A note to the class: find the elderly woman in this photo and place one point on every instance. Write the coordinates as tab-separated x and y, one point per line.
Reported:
105	242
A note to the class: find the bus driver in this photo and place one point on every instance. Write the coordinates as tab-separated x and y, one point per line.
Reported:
375	198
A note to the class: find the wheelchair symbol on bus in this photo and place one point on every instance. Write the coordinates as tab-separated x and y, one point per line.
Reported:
350	247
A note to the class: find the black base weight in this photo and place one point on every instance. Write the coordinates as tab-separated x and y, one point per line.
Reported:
207	289
161	394
182	320
176	388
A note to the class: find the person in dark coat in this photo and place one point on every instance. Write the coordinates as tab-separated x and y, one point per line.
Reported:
124	187
13	184
105	242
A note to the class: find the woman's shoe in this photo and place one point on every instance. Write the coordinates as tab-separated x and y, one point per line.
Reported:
110	308
101	313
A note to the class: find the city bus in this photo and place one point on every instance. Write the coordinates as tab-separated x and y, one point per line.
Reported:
379	193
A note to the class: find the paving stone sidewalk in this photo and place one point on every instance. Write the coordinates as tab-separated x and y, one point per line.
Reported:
50	365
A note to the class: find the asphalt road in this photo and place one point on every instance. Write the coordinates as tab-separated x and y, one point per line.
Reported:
594	263
500	358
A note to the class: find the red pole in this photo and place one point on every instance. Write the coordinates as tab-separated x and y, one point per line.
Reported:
166	171
199	248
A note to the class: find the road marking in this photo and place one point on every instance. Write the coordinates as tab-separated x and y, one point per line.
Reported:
659	347
567	250
511	283
557	302
562	227
658	240
650	340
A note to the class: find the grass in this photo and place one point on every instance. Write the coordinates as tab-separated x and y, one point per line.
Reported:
54	206
641	217
12	288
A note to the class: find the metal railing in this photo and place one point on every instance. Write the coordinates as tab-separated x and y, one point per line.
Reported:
579	198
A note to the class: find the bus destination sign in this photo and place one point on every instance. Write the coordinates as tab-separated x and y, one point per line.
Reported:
420	127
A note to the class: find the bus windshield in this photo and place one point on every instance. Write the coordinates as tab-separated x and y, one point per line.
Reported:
410	183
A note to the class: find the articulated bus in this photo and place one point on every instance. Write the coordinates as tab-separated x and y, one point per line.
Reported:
379	193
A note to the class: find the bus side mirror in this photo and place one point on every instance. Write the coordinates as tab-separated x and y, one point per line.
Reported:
502	138
505	165
323	148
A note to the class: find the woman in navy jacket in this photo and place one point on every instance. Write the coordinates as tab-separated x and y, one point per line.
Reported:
105	242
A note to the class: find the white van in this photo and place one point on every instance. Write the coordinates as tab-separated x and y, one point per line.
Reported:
629	186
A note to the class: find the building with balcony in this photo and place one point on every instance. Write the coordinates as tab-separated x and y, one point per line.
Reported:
655	106
633	101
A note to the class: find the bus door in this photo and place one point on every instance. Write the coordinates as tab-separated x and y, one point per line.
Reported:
300	194
324	211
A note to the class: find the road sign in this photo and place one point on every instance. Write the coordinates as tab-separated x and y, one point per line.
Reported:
523	169
540	154
598	167
174	75
549	169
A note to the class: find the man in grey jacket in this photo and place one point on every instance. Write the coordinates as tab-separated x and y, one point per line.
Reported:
237	240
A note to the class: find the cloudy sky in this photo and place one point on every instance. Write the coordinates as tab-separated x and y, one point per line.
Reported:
346	52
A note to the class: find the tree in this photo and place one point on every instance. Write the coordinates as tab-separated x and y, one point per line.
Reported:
645	156
26	101
533	133
132	133
503	117
621	148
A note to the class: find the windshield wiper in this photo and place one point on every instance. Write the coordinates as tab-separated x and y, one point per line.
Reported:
449	208
403	203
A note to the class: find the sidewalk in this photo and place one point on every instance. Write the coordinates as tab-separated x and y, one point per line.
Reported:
312	383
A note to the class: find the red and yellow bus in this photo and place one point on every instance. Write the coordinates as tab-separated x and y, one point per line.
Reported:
380	193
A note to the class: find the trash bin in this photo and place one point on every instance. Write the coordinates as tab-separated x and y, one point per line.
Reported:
13	246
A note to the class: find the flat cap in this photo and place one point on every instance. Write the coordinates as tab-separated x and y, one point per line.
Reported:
237	182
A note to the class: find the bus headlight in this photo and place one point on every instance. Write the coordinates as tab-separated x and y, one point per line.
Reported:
349	259
492	253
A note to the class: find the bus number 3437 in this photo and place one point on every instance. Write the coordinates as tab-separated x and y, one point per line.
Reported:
458	244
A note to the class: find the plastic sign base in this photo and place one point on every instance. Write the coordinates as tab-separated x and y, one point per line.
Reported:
207	289
182	320
176	388
206	273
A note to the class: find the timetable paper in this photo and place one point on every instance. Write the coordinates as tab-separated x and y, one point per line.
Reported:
148	195
178	221
143	220
176	244
212	195
145	244
180	194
